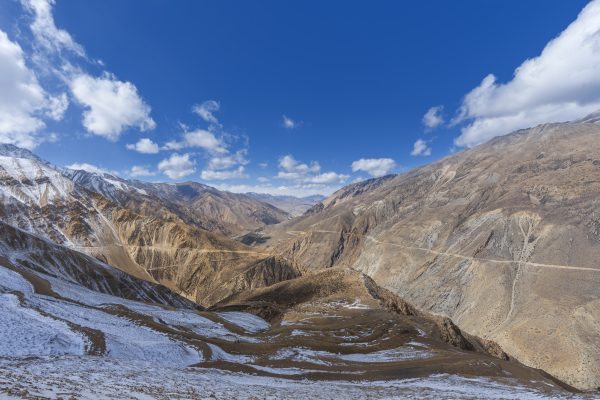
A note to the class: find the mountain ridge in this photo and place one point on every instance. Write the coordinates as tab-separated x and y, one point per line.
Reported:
495	237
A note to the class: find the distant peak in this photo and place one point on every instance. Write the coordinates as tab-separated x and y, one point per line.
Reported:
10	150
591	118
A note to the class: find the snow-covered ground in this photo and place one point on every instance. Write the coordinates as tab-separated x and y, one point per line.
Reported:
105	378
34	324
327	358
83	344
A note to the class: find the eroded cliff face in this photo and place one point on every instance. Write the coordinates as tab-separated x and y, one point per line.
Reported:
503	238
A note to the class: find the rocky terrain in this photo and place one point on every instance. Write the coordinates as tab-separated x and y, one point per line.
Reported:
503	238
74	327
199	205
120	223
475	276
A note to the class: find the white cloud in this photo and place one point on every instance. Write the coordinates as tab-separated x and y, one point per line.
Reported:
292	170
139	170
433	117
263	179
375	167
173	145
300	190
23	102
288	123
206	110
327	177
177	166
205	140
144	146
57	106
263	165
90	168
421	148
228	161
290	165
561	84
45	30
112	105
222	164
211	175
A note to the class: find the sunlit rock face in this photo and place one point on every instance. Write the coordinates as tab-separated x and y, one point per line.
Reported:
504	238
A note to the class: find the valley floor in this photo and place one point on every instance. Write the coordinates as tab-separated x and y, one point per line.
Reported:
106	378
61	340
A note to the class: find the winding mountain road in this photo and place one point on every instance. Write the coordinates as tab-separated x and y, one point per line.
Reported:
442	253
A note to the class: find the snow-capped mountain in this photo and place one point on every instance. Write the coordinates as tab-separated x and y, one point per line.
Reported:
200	205
109	186
27	179
157	232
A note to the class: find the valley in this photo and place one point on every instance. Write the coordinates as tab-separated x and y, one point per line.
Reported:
299	200
405	284
58	333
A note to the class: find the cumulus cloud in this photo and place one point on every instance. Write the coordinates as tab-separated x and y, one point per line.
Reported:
177	166
90	168
23	101
421	148
375	167
144	146
433	117
111	105
293	170
211	175
57	106
327	177
561	84
211	139
228	161
45	30
222	163
139	170
206	111
205	140
217	167
288	123
173	145
292	167
298	190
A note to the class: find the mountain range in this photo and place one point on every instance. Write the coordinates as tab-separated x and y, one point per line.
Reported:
483	264
503	238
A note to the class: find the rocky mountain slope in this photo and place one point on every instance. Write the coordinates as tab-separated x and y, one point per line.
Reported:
77	312
503	238
199	205
120	224
73	325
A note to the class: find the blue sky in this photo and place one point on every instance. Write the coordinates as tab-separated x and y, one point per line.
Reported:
290	97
